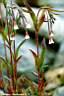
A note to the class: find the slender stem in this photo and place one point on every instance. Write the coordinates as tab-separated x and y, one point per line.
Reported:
10	48
37	43
5	51
11	62
15	68
15	63
40	74
40	83
8	73
1	79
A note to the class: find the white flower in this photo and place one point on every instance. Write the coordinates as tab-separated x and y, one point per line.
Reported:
51	41
12	38
15	25
51	35
28	25
27	35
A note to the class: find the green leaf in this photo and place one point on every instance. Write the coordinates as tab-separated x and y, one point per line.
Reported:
4	34
32	14
36	92
17	50
53	10
37	59
17	19
18	58
5	77
42	57
1	58
6	29
41	18
34	54
27	11
6	64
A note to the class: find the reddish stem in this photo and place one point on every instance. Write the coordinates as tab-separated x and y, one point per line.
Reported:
37	43
40	84
40	74
15	68
1	80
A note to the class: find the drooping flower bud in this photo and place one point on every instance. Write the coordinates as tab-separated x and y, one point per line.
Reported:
51	35
12	36
15	25
51	41
27	35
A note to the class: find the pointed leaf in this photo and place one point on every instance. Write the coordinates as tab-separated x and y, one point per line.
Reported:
18	58
5	77
37	59
34	54
32	14
41	18
4	35
27	11
42	57
17	50
53	10
1	58
6	29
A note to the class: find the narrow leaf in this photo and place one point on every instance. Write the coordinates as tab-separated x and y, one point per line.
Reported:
1	58
41	18
42	57
37	59
4	35
27	11
18	58
6	29
32	14
53	10
17	50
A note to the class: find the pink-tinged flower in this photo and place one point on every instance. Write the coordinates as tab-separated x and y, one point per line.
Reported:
12	38
51	41
15	25
27	35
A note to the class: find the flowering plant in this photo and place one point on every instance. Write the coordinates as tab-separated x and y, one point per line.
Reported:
11	24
